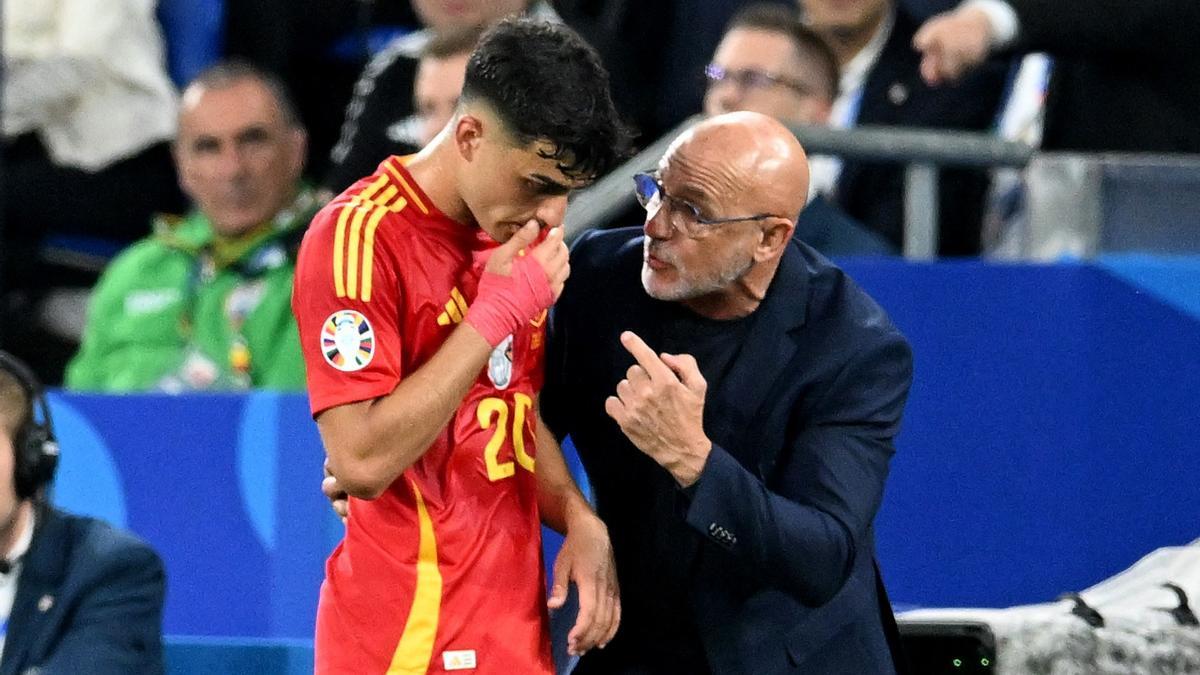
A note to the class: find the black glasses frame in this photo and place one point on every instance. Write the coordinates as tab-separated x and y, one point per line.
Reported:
644	182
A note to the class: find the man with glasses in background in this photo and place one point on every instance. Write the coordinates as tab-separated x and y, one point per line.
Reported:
768	62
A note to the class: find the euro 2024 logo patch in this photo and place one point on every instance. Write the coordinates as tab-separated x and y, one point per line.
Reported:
347	340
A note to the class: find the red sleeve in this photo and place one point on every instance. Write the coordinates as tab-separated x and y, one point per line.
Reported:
347	302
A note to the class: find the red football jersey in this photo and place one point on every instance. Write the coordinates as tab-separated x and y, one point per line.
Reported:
443	571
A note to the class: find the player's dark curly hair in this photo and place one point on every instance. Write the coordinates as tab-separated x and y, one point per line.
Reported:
545	82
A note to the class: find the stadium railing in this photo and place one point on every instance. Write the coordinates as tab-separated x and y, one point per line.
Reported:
1079	204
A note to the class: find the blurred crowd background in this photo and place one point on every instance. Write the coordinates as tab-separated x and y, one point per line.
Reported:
150	217
160	161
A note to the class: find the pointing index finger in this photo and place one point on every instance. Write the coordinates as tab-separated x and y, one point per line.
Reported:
646	357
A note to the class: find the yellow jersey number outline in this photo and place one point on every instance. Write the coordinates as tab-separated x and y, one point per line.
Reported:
492	409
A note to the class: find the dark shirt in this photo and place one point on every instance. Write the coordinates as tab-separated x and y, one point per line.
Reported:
715	345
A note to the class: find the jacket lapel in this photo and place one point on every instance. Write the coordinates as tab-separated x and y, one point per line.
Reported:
758	366
37	589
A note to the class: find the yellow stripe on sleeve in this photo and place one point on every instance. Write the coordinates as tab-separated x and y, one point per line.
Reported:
415	648
458	298
352	257
339	243
412	194
339	237
386	196
368	261
371	189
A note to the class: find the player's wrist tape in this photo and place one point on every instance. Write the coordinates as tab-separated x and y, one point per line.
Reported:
504	303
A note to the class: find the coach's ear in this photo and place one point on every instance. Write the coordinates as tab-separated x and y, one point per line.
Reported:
468	134
776	232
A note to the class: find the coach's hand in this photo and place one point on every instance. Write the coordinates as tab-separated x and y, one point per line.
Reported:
586	559
660	408
337	497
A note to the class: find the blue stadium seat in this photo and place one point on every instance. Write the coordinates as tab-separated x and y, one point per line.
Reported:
194	33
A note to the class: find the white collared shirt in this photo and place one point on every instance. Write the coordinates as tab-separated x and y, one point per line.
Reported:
8	582
824	170
854	75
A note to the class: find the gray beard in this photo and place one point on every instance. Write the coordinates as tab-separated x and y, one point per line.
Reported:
701	287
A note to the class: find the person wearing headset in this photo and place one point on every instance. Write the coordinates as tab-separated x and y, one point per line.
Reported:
76	595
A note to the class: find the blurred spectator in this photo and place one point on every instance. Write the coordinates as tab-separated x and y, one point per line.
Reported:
381	119
76	595
1125	77
436	87
88	114
769	63
655	52
318	48
881	85
204	302
439	82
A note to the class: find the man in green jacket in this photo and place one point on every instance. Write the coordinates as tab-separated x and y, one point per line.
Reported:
203	303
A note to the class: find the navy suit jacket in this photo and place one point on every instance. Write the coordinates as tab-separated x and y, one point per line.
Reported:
828	229
89	600
895	95
780	567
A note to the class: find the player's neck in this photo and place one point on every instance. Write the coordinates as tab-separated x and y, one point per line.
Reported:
433	169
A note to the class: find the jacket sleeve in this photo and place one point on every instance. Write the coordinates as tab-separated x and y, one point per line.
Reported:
800	531
116	627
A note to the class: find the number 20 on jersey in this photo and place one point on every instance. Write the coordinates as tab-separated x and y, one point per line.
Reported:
493	413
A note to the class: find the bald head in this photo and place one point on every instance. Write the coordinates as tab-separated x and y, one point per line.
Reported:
729	192
749	155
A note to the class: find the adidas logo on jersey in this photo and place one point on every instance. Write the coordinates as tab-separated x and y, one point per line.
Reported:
456	309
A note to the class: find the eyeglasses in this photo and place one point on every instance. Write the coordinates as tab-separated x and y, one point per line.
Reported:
683	216
751	78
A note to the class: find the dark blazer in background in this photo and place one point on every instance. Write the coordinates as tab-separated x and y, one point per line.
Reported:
89	600
828	229
894	94
1126	74
776	541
